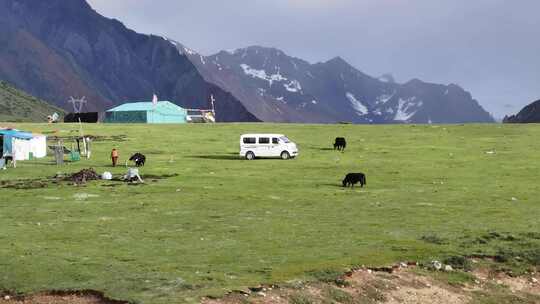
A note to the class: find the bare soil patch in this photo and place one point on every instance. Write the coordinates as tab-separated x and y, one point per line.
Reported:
403	285
60	297
391	285
76	179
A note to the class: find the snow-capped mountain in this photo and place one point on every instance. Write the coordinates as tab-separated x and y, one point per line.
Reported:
279	88
52	57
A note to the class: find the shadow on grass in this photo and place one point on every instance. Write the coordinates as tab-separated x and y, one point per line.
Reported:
336	185
218	157
331	149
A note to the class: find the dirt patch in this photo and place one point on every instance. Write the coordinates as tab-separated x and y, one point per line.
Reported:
393	285
527	284
60	297
26	184
78	179
416	289
159	177
83	176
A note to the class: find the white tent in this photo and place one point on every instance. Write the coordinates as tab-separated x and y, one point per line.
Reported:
23	148
23	145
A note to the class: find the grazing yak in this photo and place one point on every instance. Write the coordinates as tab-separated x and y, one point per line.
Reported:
139	159
340	144
354	178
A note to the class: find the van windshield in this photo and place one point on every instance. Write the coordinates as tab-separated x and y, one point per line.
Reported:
285	139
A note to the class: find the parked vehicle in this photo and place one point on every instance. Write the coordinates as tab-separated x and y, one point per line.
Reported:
267	146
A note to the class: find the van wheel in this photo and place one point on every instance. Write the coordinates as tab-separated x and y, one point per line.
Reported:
250	155
285	155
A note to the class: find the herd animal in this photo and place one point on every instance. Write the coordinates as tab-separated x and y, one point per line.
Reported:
354	178
340	144
139	159
351	179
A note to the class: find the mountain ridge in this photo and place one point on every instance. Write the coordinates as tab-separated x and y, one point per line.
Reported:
56	49
529	114
281	88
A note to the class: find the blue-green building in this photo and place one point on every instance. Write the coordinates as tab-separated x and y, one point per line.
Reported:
164	112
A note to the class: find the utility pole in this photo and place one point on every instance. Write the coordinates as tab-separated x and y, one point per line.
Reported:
78	104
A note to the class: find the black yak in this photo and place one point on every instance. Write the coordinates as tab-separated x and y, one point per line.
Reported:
340	144
139	159
354	178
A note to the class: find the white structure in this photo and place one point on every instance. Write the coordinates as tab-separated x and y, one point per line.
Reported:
37	147
267	145
22	145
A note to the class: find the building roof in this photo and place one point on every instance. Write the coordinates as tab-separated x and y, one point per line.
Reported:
16	134
145	106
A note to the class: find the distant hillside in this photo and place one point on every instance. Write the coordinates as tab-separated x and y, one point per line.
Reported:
54	49
529	114
17	106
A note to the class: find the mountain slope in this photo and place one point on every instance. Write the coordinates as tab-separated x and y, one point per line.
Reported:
529	114
276	87
17	106
56	48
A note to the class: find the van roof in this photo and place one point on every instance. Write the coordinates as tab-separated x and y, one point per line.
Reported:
262	135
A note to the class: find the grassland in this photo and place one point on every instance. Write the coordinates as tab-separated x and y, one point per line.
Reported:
222	223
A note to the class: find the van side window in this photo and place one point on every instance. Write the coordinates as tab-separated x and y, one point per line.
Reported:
264	140
250	140
275	141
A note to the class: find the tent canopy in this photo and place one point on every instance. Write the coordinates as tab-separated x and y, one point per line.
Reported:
15	134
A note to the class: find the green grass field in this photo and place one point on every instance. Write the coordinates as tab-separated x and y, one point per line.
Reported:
219	223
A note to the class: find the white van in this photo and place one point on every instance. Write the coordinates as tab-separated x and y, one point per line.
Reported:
267	145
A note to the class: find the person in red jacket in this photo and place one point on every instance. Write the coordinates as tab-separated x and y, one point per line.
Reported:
114	157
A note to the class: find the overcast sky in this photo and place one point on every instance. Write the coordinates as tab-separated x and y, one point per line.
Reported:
489	47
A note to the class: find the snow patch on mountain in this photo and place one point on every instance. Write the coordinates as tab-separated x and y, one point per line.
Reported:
181	49
282	99
261	74
293	86
384	98
387	78
189	51
407	108
356	104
